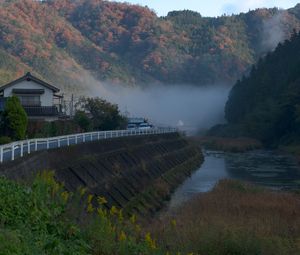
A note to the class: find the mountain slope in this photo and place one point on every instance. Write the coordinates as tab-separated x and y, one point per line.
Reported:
64	41
266	104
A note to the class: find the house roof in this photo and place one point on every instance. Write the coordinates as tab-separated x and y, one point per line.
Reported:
29	77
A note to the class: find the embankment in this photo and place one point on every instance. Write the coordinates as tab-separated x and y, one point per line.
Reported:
134	173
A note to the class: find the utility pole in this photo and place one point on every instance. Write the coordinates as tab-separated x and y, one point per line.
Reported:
72	106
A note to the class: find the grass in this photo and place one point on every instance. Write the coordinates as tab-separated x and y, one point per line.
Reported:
242	144
45	219
235	218
292	149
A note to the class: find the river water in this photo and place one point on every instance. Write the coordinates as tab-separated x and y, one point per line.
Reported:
264	168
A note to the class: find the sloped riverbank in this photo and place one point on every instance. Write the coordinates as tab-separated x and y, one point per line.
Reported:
137	174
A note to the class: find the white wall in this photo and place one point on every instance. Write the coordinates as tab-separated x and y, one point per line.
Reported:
46	98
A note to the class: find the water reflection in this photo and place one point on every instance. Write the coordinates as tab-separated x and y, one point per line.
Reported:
202	180
264	168
260	167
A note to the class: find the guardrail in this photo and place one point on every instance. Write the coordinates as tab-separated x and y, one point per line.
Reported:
11	151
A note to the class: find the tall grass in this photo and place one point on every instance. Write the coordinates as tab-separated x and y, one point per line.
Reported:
235	218
241	144
45	219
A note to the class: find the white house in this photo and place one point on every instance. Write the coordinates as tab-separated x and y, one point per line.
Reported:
36	96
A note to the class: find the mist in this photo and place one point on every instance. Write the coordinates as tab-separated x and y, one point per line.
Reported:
273	32
189	108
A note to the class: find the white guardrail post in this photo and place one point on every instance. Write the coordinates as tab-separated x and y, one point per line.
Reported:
11	151
21	150
1	154
28	147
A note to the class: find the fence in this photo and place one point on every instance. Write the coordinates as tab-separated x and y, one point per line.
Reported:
11	151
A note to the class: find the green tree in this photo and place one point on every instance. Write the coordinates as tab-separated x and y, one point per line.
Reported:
265	103
14	119
83	121
104	115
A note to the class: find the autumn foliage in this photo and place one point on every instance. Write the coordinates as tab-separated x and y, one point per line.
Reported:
63	41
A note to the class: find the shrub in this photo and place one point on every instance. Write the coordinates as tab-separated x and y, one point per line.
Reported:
83	121
104	115
5	139
38	129
43	219
14	119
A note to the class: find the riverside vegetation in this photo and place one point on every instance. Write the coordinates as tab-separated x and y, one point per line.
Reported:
235	218
241	144
136	174
45	219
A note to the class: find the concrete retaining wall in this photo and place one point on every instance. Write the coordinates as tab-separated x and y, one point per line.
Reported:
135	173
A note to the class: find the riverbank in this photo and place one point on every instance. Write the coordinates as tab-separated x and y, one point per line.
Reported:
234	218
241	144
46	219
292	150
266	168
137	173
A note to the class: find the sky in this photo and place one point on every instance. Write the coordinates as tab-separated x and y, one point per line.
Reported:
211	7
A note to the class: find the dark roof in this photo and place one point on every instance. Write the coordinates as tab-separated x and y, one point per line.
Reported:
29	77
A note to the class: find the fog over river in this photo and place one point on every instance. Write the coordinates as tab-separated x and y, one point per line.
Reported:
190	108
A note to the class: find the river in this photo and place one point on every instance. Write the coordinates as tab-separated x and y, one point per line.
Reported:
265	168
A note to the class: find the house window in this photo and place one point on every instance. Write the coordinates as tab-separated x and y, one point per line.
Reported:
30	100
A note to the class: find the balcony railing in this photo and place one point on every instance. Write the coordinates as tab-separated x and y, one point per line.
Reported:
39	111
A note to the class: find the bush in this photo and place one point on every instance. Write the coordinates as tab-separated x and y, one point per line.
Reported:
5	140
104	115
38	129
14	119
43	219
83	121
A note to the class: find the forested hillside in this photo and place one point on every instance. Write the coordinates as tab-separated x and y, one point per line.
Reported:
64	41
266	104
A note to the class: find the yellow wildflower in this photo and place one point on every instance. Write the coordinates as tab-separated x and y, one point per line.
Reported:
102	213
120	216
173	223
133	219
65	196
82	191
90	208
90	198
150	241
113	210
102	200
122	236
